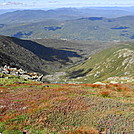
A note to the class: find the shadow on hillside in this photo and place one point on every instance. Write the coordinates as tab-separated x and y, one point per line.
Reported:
78	73
46	53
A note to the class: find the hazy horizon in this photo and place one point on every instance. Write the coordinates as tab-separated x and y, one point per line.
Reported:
50	4
53	8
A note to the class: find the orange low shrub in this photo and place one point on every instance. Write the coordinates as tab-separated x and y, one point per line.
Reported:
109	86
105	93
119	89
85	130
96	85
126	89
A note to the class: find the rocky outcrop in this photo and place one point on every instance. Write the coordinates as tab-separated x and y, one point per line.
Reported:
20	72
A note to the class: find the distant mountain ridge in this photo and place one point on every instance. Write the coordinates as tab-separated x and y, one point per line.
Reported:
21	16
66	24
62	14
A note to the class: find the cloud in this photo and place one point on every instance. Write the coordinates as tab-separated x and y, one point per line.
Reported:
53	2
12	4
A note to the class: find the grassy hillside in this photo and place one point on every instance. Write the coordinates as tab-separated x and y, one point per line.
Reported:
39	108
115	61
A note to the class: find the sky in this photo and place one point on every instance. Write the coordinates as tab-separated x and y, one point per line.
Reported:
13	4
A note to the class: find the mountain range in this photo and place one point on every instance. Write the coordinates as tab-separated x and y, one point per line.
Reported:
13	16
64	39
69	23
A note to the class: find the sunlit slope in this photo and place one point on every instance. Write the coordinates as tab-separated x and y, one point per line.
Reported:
116	61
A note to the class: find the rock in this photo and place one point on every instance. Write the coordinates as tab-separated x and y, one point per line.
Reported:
25	77
5	67
2	76
6	72
100	83
44	80
40	77
113	82
20	73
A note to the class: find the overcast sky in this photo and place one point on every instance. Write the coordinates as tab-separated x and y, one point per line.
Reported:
62	3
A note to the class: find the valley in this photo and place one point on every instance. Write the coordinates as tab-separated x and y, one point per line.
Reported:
67	71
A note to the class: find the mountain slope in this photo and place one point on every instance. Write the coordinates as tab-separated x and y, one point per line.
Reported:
33	56
14	55
115	61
